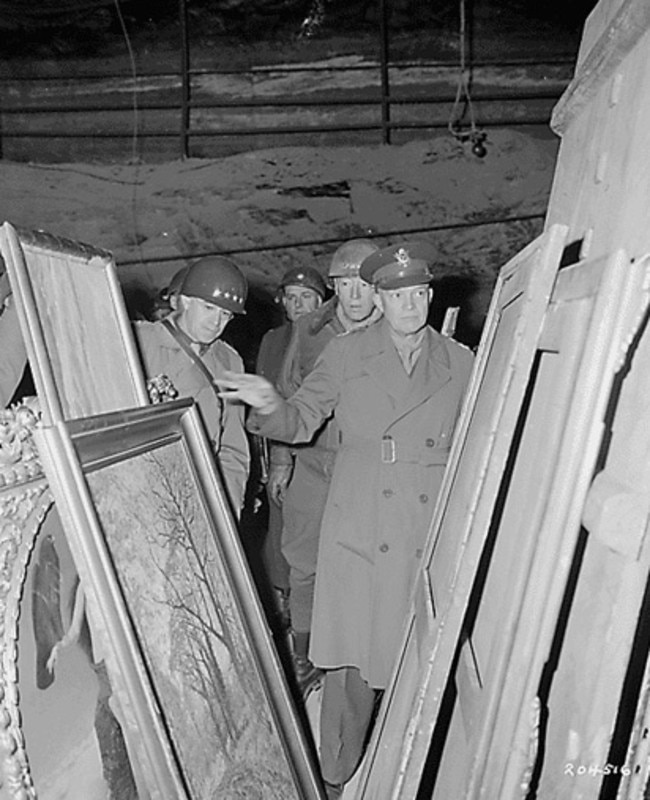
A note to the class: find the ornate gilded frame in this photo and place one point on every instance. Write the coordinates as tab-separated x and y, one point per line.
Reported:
25	499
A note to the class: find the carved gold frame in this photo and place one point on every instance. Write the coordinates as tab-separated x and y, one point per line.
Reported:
25	500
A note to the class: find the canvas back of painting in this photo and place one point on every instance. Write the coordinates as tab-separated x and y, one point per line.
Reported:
74	322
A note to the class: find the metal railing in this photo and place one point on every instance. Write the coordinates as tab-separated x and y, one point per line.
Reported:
219	112
180	108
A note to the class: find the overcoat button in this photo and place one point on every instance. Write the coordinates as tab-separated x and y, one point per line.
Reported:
383	548
388	492
429	443
424	498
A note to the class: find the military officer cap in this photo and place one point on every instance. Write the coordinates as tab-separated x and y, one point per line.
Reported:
399	265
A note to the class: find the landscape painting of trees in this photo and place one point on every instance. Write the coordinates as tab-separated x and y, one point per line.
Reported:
170	598
185	616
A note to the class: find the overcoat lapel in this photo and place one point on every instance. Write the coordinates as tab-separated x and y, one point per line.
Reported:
431	373
382	362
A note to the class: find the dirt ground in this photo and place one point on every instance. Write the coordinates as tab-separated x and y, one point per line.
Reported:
273	209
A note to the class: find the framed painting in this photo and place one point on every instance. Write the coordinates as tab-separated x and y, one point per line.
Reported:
60	736
173	608
401	738
74	322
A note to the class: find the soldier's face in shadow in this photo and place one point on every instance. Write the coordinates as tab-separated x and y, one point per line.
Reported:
298	301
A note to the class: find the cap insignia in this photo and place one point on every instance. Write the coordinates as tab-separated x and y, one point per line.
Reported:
402	257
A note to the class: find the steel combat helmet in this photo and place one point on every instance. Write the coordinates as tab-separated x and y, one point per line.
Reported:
176	282
348	257
309	277
216	280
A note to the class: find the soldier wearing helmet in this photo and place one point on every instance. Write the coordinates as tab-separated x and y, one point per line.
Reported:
302	474
301	290
186	346
355	303
395	389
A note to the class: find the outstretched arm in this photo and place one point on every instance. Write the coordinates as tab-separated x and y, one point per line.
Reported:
301	415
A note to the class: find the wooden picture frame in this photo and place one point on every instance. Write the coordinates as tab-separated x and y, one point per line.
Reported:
478	700
402	735
173	607
74	322
595	311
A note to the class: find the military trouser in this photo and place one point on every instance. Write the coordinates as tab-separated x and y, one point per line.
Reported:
347	707
275	564
302	513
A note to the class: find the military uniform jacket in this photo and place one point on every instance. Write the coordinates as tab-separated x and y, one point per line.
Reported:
272	351
395	436
270	358
224	422
310	335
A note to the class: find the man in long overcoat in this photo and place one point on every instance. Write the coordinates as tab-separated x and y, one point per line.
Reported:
396	389
352	307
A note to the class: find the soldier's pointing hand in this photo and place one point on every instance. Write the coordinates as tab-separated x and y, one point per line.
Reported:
250	389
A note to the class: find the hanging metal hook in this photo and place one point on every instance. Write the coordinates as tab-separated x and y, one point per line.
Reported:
474	134
313	21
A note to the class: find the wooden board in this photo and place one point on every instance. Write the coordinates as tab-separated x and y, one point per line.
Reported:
75	325
412	701
517	599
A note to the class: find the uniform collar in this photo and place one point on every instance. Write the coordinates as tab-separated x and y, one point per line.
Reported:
197	347
431	373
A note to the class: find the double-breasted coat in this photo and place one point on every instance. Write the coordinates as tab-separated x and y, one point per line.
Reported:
395	432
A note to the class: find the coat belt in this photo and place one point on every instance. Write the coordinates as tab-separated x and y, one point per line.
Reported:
389	450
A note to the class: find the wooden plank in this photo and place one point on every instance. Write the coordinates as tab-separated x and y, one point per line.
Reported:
606	636
412	702
596	23
584	339
626	30
77	333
